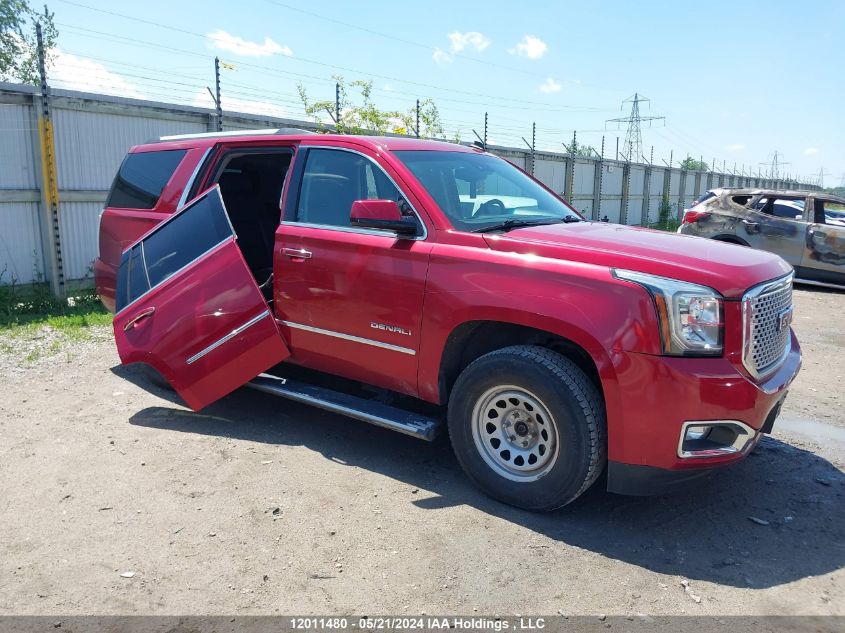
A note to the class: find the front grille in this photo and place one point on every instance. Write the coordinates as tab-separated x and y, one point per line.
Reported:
767	313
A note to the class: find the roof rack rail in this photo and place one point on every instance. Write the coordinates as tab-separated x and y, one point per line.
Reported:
282	131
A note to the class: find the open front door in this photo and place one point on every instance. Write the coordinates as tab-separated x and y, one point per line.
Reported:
187	305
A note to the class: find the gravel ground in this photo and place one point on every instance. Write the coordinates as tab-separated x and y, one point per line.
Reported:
118	501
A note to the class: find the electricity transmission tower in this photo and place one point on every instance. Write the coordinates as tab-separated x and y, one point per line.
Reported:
822	174
632	150
775	165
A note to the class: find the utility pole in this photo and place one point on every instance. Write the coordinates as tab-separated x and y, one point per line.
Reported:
633	146
49	178
418	118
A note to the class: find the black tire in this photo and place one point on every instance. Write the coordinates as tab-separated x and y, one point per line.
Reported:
558	386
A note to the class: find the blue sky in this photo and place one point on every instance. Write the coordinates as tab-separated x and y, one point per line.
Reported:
735	80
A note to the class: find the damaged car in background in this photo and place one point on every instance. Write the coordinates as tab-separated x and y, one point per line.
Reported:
806	228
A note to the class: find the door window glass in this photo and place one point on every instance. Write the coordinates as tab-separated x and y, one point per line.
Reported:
781	207
197	229
142	177
333	180
830	212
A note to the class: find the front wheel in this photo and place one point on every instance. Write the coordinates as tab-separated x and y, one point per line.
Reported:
528	427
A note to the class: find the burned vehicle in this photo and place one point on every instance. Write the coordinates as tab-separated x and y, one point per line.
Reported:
806	228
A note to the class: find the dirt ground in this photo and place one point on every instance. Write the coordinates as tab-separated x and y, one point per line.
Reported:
117	501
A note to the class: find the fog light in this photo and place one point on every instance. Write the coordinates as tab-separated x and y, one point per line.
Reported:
695	433
714	438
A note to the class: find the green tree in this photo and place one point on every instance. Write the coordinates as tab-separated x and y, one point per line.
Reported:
18	48
665	219
585	151
690	164
360	115
355	118
431	125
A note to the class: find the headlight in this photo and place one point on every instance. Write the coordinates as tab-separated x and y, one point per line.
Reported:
690	316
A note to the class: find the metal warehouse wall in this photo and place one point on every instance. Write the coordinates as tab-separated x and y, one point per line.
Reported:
93	132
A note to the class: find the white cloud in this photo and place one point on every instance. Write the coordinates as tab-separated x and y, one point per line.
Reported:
810	151
531	47
441	57
237	45
549	86
736	147
470	39
230	104
79	73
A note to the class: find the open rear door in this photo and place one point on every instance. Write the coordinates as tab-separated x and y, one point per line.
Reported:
188	305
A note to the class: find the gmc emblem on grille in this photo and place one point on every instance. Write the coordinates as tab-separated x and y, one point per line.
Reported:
784	319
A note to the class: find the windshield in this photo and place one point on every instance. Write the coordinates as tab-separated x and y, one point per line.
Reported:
477	191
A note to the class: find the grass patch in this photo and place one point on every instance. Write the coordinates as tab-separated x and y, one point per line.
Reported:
28	309
665	221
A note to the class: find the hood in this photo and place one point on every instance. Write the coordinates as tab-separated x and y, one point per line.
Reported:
727	268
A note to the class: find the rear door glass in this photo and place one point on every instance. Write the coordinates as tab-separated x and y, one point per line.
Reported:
196	230
142	177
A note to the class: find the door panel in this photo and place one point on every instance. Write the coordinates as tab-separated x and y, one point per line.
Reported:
824	254
353	304
189	306
349	299
777	235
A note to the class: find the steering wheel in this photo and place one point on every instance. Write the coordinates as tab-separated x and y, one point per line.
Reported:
494	206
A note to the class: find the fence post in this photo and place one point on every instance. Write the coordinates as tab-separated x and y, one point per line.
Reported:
569	185
219	106
682	191
626	192
598	175
50	226
646	195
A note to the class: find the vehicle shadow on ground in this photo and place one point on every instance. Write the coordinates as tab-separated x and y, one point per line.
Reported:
705	534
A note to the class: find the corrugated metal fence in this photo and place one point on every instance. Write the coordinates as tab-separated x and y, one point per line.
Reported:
93	132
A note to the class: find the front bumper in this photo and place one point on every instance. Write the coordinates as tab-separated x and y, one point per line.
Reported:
656	395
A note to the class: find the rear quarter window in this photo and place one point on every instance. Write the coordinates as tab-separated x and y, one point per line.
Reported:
142	177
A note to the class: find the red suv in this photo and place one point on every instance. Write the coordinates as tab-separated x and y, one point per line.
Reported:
419	284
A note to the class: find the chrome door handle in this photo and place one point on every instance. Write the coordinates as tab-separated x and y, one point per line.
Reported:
296	253
138	318
750	223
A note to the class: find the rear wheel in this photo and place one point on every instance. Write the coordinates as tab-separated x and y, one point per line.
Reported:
528	427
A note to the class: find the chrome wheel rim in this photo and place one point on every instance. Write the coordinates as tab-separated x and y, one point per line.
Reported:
515	433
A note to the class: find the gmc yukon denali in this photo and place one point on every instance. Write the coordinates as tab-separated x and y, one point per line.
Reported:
421	285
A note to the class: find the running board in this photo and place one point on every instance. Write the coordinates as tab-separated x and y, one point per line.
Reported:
378	413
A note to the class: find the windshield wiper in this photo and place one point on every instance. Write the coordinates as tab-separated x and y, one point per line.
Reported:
515	223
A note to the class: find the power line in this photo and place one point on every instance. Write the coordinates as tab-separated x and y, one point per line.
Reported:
550	106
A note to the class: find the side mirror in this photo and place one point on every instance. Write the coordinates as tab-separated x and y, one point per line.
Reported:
382	215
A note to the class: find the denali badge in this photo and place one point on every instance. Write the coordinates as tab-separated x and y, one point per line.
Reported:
390	328
784	319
